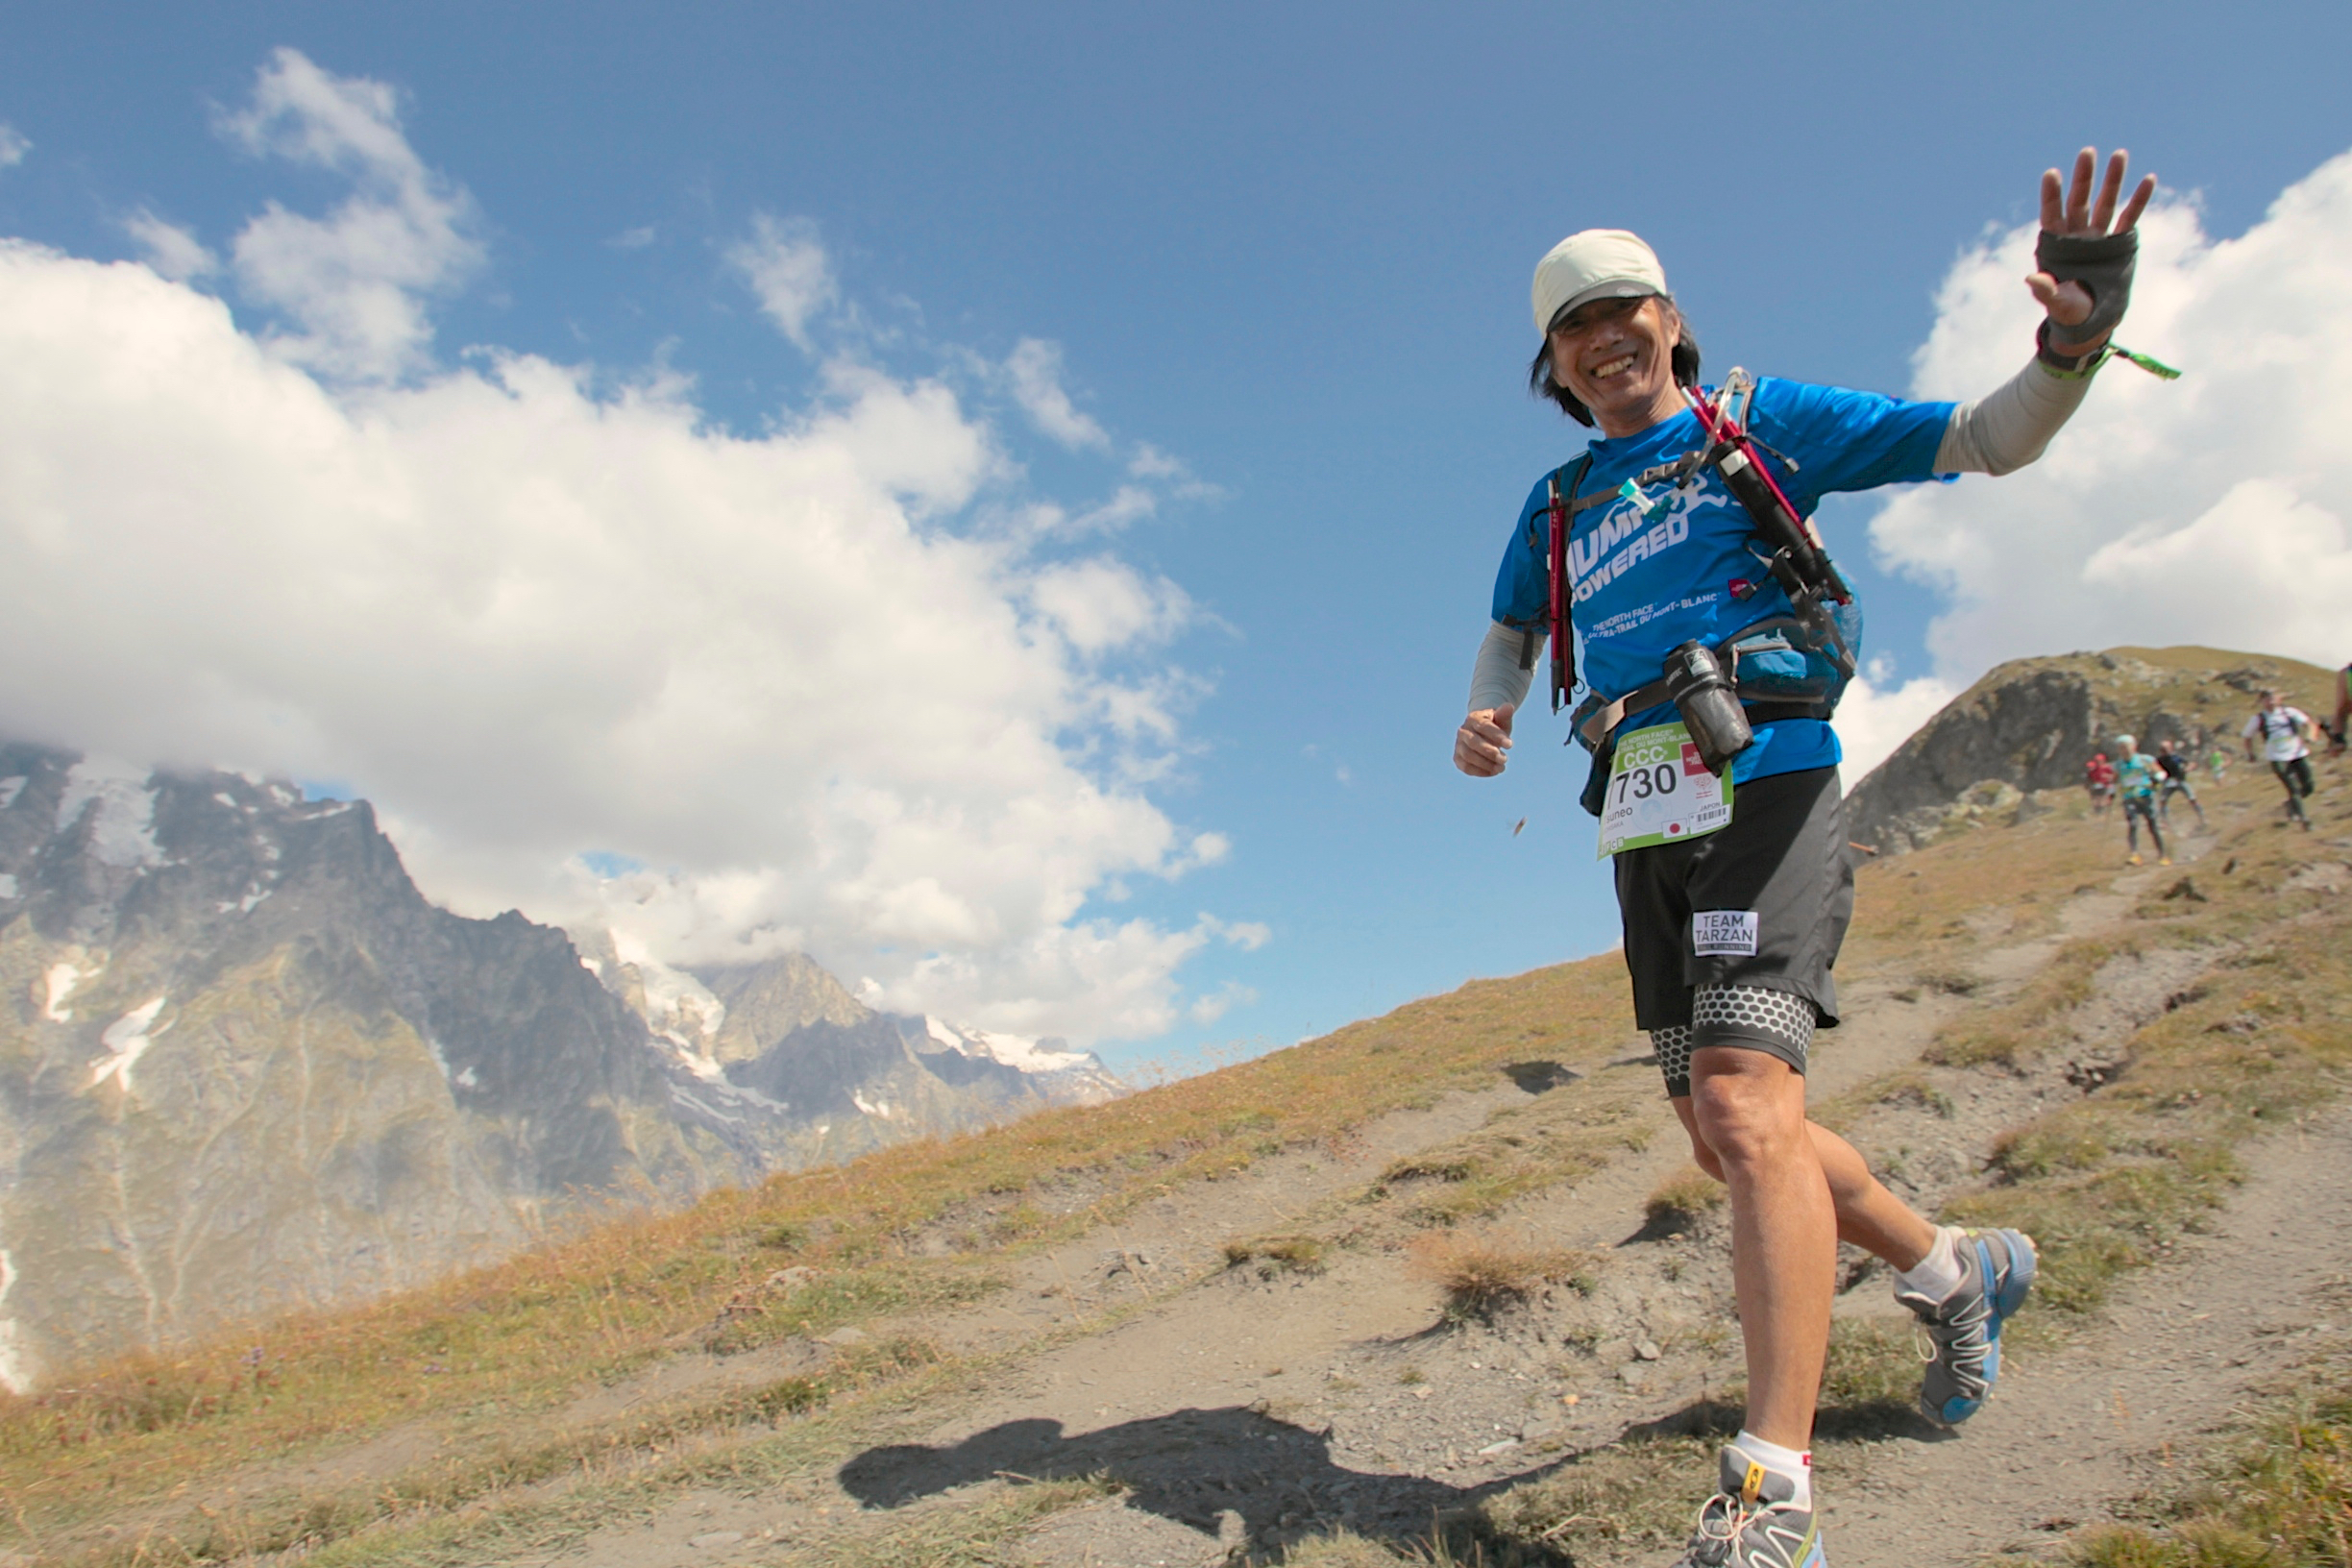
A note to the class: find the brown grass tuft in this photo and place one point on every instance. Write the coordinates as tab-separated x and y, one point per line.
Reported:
1277	1255
1482	1273
1682	1199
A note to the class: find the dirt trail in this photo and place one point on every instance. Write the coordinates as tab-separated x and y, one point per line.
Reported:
1241	1411
2123	1410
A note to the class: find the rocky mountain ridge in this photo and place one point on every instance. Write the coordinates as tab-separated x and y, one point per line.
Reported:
2032	725
245	1064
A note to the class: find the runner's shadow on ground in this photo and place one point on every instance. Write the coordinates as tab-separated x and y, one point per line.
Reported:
1190	1467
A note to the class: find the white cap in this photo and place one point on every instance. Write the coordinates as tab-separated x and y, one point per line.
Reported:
2128	742
1595	264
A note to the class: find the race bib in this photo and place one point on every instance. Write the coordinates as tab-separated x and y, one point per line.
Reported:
1659	791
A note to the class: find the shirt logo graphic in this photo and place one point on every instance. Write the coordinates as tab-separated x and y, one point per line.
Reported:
1622	527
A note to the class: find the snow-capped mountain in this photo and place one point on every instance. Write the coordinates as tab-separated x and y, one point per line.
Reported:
779	1050
244	1064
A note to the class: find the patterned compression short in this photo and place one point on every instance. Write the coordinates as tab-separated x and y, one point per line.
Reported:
1752	1017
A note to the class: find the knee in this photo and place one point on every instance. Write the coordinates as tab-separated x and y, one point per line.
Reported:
1705	1158
1747	1116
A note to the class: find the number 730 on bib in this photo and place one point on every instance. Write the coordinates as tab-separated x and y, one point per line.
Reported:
1659	791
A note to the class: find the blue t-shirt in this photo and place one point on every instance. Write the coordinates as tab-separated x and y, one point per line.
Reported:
1645	585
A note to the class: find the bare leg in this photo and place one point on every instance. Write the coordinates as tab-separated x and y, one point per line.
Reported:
1868	1216
1750	1110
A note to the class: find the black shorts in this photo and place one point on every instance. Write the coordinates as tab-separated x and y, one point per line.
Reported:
1779	883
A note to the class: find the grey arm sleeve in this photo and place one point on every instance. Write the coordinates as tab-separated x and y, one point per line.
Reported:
1496	680
2000	434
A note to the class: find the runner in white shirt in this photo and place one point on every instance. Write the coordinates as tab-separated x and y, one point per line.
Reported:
2284	733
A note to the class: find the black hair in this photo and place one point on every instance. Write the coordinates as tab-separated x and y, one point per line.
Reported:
1684	361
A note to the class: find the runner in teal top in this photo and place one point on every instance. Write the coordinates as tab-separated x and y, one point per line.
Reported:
2136	779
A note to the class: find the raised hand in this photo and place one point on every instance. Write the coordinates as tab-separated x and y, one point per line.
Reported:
2069	211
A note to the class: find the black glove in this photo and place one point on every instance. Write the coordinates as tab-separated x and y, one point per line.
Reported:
2103	266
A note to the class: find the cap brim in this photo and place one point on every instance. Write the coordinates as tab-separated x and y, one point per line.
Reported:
1615	288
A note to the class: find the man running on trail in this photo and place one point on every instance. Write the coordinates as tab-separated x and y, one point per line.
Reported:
2136	776
1733	911
2343	711
2098	777
2173	763
2286	735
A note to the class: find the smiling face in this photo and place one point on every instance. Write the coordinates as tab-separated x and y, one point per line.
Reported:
1617	357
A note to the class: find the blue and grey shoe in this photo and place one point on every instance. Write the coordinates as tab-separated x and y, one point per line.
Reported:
1964	1330
1753	1522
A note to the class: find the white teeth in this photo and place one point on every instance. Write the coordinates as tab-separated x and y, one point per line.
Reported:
1612	368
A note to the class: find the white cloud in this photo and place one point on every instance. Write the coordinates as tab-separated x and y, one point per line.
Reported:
2205	510
532	621
12	146
634	239
786	268
356	281
1035	373
1101	604
1221	1001
171	249
1149	462
1873	718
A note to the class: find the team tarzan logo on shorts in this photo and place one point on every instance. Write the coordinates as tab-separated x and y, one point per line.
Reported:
1716	931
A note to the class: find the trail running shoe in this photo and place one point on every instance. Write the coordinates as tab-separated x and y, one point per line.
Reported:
1752	1523
1964	1330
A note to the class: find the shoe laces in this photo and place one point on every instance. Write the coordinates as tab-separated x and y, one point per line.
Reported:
1722	1519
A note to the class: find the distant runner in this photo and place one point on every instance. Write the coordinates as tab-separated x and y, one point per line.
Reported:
2216	761
2136	776
2284	733
2099	778
2174	766
2343	711
1711	642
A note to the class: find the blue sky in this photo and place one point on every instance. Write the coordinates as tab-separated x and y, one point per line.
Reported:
1287	246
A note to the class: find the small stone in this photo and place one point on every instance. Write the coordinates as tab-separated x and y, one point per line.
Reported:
1631	1374
714	1538
1503	1447
1648	1350
843	1338
1423	1393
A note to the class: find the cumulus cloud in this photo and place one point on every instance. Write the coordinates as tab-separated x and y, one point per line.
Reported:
1034	372
12	146
2207	510
1102	604
355	283
555	629
786	268
1875	716
171	249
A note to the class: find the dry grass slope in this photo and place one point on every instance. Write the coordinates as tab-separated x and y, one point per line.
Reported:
184	1456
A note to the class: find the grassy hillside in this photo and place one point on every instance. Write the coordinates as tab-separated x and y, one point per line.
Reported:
474	1407
521	1338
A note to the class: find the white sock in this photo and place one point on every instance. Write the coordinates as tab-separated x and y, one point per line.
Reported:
1786	1462
1937	1275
